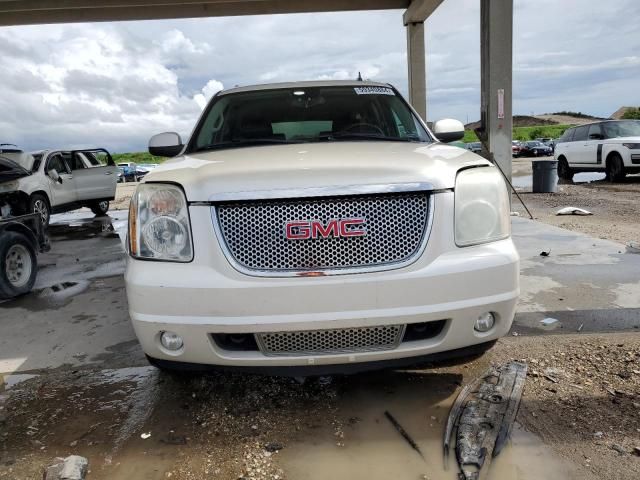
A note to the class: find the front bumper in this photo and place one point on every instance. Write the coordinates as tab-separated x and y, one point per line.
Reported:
208	296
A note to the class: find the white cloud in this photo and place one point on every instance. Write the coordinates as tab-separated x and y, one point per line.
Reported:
115	84
208	91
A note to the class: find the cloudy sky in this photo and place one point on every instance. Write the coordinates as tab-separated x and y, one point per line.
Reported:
115	84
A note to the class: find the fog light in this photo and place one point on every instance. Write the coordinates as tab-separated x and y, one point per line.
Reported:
171	341
485	322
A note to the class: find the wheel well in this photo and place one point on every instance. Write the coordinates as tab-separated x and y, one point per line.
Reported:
24	230
610	155
562	157
44	194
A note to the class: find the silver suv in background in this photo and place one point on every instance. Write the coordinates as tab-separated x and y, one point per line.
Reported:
611	146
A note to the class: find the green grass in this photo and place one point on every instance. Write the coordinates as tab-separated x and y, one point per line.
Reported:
632	114
525	133
136	157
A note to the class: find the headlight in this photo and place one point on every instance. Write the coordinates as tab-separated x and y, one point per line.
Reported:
159	227
632	146
481	207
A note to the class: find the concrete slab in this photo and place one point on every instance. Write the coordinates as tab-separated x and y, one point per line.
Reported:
77	313
583	281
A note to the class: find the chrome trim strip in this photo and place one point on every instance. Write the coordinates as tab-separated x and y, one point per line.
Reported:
334	271
332	191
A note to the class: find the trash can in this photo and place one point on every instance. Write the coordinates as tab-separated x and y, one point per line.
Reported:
545	176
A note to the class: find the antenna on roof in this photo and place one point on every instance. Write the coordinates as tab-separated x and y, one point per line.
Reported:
359	77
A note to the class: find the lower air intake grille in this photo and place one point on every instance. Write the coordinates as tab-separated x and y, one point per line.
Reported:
344	340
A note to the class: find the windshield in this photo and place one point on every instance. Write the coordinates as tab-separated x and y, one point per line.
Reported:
306	114
629	128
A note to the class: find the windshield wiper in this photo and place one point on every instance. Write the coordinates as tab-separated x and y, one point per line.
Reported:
366	136
246	142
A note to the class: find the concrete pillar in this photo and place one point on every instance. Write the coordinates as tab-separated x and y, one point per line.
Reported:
496	52
417	68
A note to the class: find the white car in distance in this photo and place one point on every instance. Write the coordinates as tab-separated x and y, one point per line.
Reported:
56	181
611	146
318	227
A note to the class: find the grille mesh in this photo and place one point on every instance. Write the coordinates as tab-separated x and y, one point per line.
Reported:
359	339
254	232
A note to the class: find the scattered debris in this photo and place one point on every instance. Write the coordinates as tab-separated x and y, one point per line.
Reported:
515	214
482	416
580	327
573	211
636	451
144	436
173	439
549	322
545	254
633	247
74	467
403	432
618	449
598	435
273	447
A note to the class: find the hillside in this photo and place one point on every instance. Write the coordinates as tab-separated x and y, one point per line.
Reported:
558	118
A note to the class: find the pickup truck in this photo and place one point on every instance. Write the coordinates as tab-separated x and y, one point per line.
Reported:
318	227
55	181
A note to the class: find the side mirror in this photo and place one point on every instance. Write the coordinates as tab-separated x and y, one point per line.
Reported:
596	136
168	144
448	130
53	174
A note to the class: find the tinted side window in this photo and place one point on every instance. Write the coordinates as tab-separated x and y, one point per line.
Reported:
567	135
595	129
581	133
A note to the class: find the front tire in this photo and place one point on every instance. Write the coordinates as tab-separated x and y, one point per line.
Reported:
100	209
615	168
18	265
564	171
39	204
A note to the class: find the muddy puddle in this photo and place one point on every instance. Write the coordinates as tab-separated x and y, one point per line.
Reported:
367	446
139	423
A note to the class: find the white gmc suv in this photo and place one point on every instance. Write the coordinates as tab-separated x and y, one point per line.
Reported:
318	227
612	146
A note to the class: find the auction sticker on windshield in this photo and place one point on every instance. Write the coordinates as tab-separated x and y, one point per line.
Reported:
373	91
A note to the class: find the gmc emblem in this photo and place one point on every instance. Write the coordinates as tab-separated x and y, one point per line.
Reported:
306	229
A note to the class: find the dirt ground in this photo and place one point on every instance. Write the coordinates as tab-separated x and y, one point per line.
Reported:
615	206
582	397
124	192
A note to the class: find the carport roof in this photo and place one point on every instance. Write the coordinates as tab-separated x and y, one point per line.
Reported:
24	12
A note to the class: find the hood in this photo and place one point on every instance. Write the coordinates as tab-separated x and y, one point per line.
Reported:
13	166
312	165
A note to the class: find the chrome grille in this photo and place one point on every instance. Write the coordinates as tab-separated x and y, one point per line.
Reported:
343	340
254	232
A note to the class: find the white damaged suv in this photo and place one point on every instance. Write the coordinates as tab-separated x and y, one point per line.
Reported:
317	227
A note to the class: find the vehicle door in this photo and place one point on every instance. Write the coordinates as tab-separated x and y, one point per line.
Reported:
576	150
63	190
95	174
592	149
